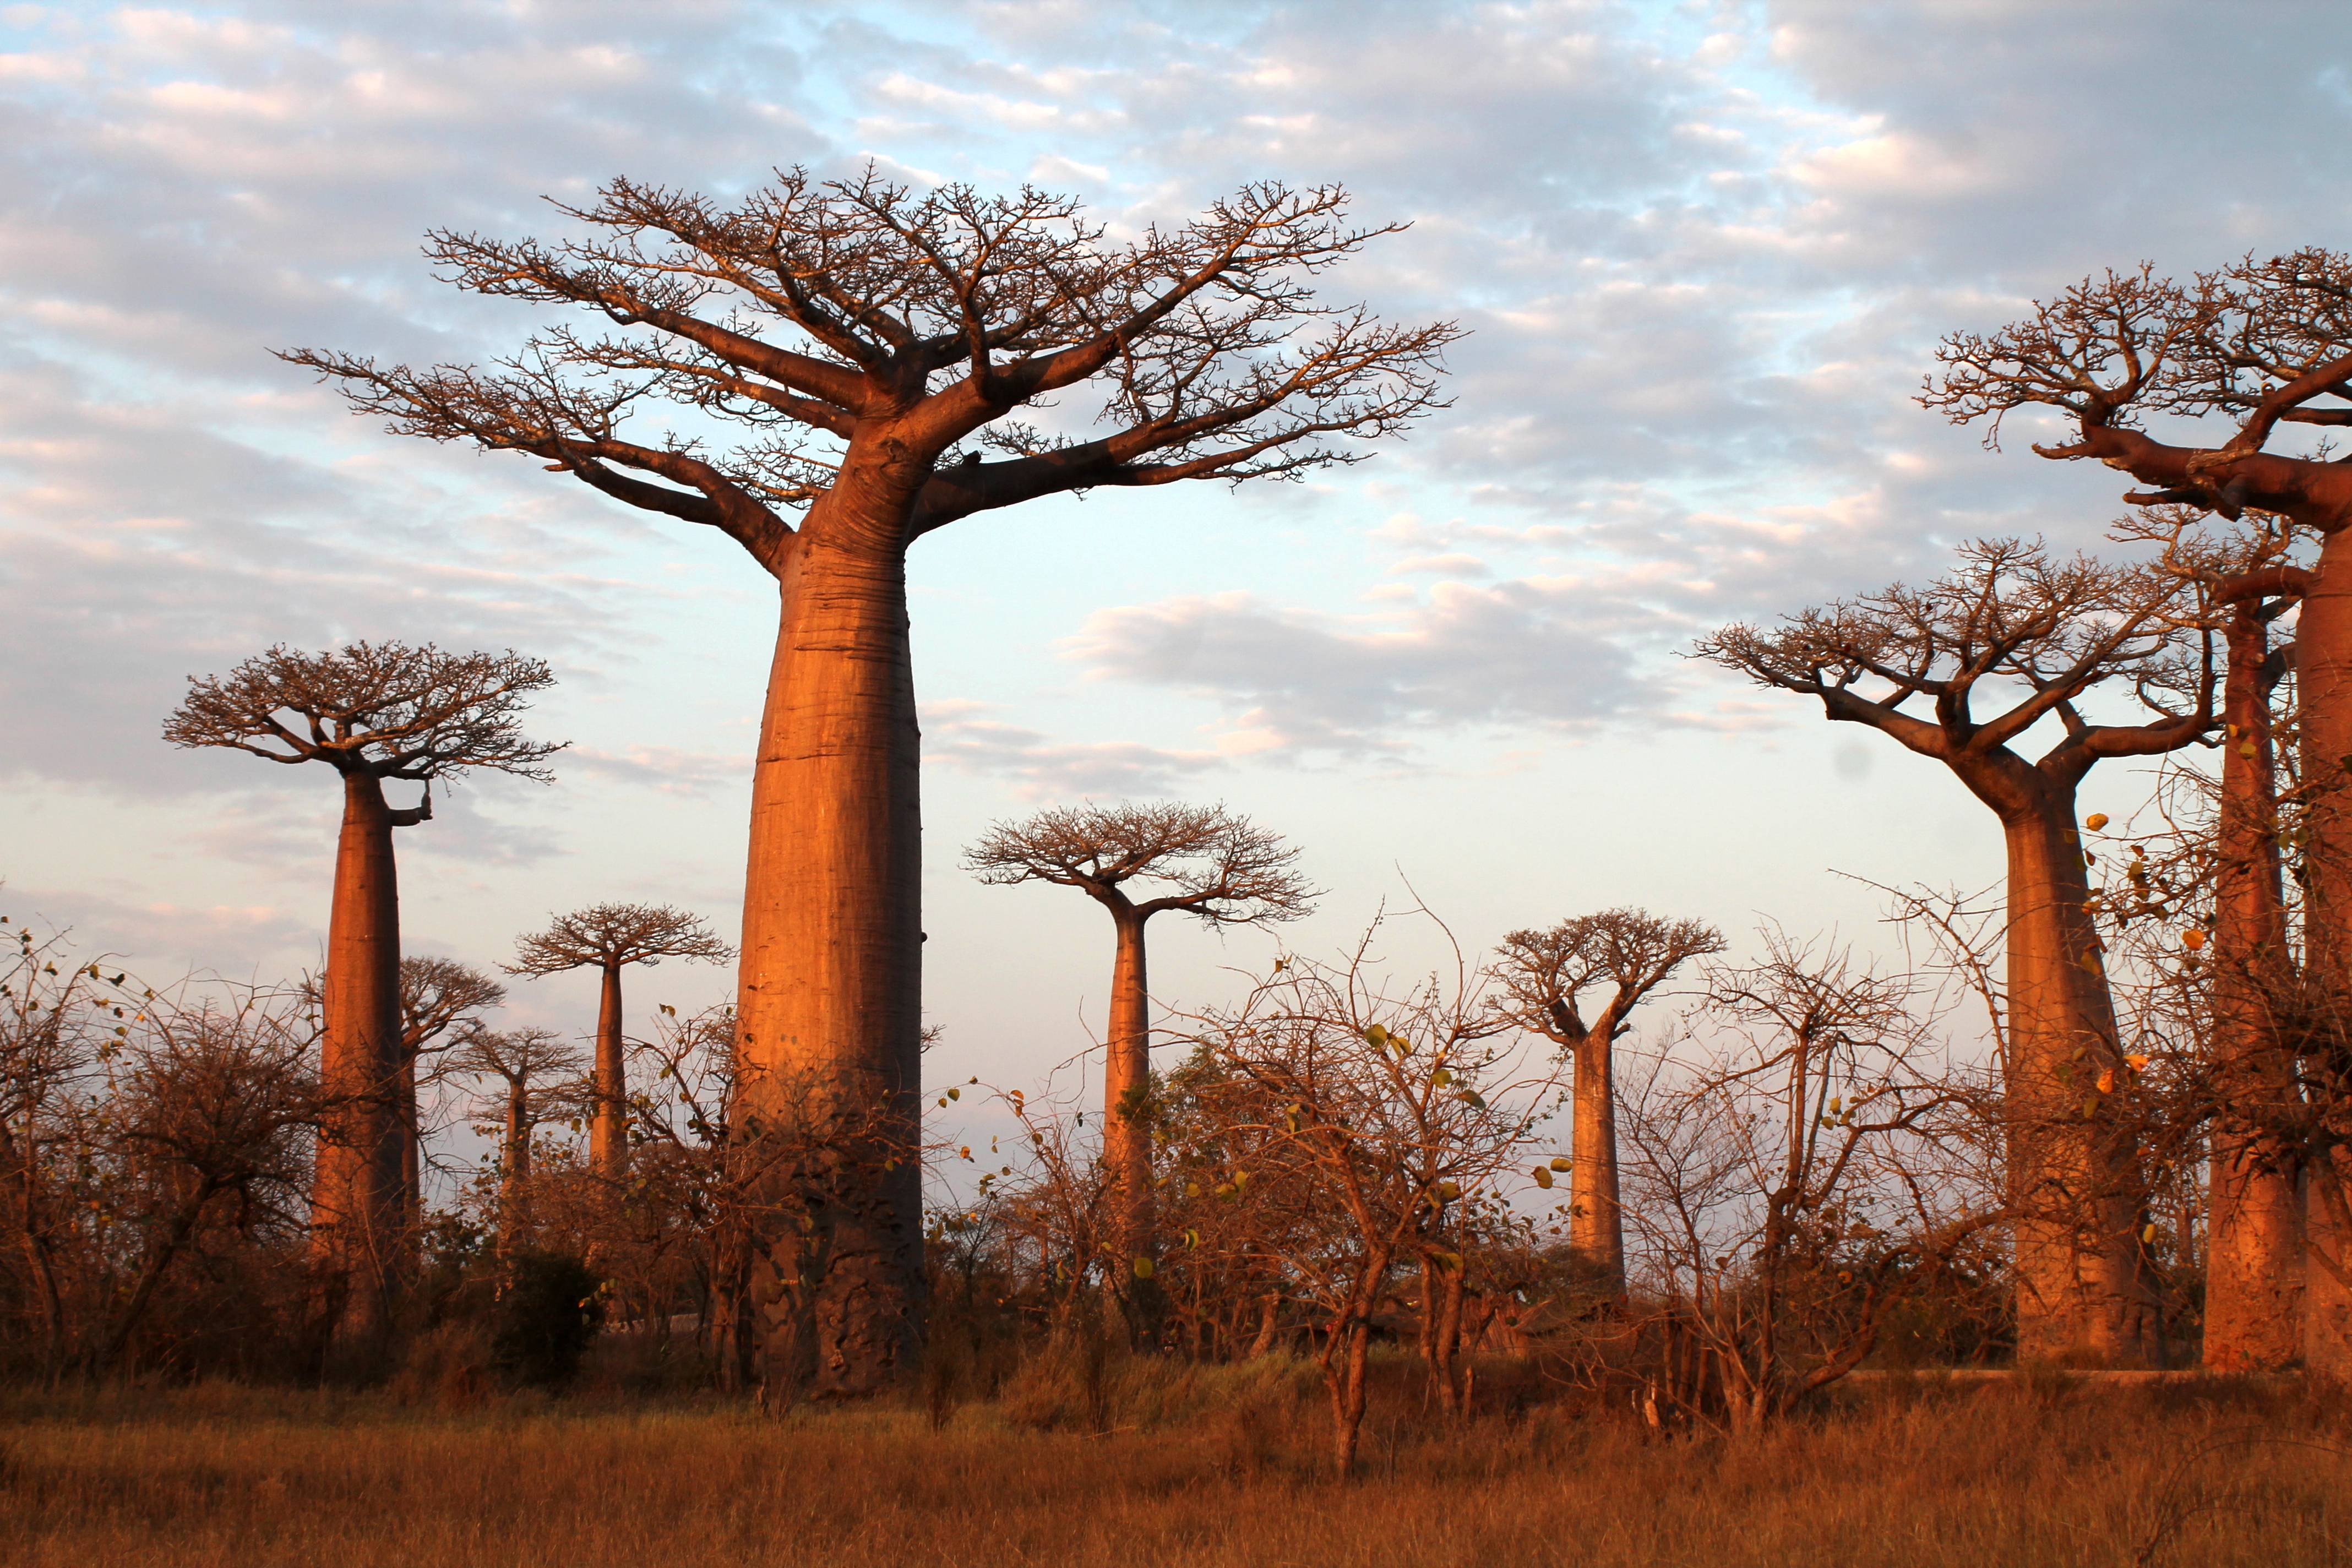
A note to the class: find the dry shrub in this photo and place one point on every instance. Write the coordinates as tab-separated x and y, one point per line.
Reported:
447	1367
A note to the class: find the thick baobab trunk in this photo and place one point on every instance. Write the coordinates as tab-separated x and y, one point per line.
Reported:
1596	1227
608	1137
831	987
2081	1288
355	1197
2254	1271
1127	1113
2324	682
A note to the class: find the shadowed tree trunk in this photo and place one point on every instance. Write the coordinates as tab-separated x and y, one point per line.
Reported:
2254	1267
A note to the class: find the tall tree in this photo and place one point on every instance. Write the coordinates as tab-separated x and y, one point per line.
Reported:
2264	345
875	342
1542	974
1204	861
608	938
2254	1262
371	712
2013	620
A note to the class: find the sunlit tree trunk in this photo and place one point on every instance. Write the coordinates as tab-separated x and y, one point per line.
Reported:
1127	1124
2254	1269
2081	1289
831	986
355	1194
608	1138
1596	1229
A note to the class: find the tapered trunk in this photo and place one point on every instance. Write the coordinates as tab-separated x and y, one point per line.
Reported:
355	1198
831	984
2082	1291
2253	1269
1596	1226
1127	1119
2324	682
608	1136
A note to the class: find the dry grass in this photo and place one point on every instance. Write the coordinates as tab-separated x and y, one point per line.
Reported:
1221	1468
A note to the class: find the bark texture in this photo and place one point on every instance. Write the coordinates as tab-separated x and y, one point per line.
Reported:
831	989
2082	1291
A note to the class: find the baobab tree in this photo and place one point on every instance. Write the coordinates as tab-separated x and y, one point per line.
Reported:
608	937
536	1072
373	712
2255	1254
876	344
2262	344
2013	620
1216	866
438	996
1542	975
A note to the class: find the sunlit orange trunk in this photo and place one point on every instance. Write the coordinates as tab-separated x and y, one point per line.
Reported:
2324	680
2254	1271
1596	1229
831	986
2082	1290
608	1136
1126	1085
356	1188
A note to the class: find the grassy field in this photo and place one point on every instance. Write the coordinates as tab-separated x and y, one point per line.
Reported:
1225	1469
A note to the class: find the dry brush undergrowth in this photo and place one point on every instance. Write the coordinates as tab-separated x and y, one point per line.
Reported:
1202	1465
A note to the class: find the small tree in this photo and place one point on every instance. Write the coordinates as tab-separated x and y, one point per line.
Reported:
536	1072
1398	1114
2046	632
210	1116
1204	861
1542	974
373	712
876	347
1801	1175
609	937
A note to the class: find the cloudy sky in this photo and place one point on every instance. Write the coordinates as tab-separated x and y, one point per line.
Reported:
1703	252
